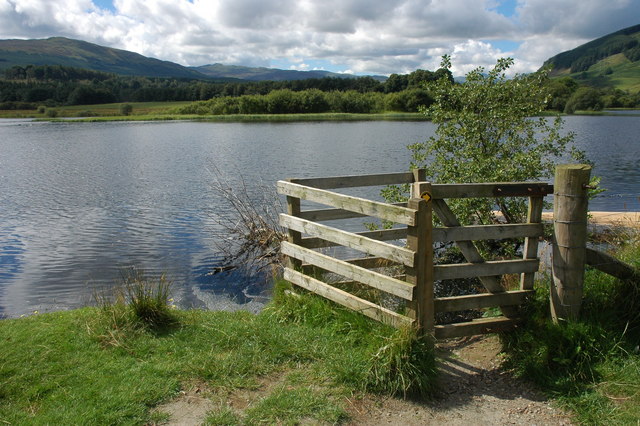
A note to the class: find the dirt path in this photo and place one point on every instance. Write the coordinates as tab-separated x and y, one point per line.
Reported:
474	390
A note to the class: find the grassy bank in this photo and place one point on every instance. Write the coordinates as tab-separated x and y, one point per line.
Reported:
301	359
591	366
151	111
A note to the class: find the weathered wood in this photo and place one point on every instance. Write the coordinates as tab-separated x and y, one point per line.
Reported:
488	268
348	270
484	190
610	265
343	298
530	251
372	262
381	235
355	181
478	326
348	239
355	204
294	237
487	232
478	301
419	241
321	215
468	249
570	239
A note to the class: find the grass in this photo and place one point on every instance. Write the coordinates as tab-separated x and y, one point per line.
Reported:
591	366
150	111
301	358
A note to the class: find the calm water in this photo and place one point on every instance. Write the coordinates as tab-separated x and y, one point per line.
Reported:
81	202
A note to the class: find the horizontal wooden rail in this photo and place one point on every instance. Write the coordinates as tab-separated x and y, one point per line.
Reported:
484	269
335	214
483	190
381	235
349	239
343	298
488	232
355	181
355	204
610	265
372	262
350	271
478	326
478	301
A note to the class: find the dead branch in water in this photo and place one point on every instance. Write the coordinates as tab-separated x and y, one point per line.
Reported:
249	236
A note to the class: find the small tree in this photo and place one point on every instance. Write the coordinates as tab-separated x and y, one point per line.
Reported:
489	130
126	109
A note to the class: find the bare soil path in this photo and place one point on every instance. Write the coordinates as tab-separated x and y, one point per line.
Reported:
473	390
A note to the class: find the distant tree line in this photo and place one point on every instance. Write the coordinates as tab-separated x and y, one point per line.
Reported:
569	96
54	85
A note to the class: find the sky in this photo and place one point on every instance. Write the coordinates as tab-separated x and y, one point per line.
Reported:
362	37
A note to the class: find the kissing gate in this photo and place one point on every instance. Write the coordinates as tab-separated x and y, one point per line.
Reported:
415	284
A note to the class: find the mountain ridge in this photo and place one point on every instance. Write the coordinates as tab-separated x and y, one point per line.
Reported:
82	54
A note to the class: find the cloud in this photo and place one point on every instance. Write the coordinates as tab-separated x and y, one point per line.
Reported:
367	37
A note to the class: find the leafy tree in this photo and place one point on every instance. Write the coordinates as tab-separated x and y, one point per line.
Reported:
585	98
487	131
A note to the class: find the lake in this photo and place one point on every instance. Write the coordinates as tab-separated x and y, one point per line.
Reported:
80	203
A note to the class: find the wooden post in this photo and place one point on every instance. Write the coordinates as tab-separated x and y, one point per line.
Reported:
530	251
419	240
570	205
294	237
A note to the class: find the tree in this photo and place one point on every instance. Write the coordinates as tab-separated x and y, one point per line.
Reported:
487	131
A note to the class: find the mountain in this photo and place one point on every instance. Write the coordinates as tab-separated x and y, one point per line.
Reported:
609	61
260	74
81	54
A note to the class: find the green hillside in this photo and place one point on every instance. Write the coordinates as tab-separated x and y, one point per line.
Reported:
81	54
612	61
261	73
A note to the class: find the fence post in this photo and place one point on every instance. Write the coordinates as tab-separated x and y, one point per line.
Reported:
419	240
570	203
294	237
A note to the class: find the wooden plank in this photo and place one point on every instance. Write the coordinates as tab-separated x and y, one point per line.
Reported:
335	214
350	271
372	262
478	301
345	299
484	269
478	326
496	189
294	237
348	239
487	232
381	235
530	251
354	181
359	205
610	265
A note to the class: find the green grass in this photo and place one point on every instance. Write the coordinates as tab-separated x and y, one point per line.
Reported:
302	357
591	366
150	111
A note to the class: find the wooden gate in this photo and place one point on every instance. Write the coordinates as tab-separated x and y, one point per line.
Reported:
412	250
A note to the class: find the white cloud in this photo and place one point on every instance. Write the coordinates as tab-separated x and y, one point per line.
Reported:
363	36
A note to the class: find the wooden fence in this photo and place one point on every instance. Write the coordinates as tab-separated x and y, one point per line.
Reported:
414	253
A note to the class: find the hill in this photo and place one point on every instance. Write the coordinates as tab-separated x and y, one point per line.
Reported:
610	61
261	73
81	54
